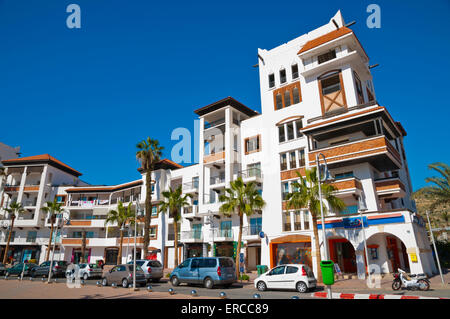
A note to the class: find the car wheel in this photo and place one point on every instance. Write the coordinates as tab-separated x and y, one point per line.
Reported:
85	276
104	282
208	283
261	286
174	281
301	287
124	283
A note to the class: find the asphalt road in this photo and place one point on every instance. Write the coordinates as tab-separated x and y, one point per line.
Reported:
236	291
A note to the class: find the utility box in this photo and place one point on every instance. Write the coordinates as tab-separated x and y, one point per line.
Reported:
327	267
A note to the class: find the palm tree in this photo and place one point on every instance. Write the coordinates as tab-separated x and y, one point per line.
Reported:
306	195
172	203
240	199
149	153
122	216
14	208
52	208
2	176
439	193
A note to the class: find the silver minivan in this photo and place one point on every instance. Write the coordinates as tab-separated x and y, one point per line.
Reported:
123	275
153	269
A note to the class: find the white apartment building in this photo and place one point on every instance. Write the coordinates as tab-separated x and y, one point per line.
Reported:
317	96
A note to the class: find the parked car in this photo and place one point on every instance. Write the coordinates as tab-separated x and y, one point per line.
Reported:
291	276
123	275
2	269
209	271
86	271
18	268
153	269
59	269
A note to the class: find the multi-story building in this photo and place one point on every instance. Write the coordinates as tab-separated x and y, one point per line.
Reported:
317	96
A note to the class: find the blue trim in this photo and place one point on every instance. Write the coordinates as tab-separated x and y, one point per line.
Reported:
352	222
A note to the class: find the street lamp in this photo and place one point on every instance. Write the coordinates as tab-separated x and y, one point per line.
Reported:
210	221
137	213
362	207
320	180
67	222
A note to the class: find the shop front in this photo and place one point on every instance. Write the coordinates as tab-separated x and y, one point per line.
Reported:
224	249
194	250
77	253
290	249
21	253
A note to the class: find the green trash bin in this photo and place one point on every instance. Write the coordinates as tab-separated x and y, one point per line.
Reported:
261	269
327	267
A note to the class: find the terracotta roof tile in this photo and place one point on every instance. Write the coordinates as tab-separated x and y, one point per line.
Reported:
324	39
44	158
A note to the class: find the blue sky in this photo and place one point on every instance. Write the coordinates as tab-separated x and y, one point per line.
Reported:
140	68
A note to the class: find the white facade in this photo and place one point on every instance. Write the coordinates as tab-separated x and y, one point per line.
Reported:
317	96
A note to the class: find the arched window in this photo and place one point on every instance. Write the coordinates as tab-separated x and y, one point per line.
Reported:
296	95
287	98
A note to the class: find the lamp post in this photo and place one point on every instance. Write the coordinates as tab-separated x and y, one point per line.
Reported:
67	221
210	222
435	250
324	235
137	213
362	207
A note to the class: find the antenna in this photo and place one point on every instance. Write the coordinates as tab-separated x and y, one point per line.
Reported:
350	24
373	66
335	23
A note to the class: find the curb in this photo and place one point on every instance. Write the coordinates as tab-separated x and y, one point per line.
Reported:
338	295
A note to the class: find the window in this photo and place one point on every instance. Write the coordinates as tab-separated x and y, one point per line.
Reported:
281	135
252	144
297	220
295	96
285	190
343	175
326	57
277	271
287	221
254	169
292	129
154	211
294	69
298	127
31	236
279	101
291	270
331	84
271	80
153	232
292	160
296	159
60	198
351	209
306	220
359	90
287	98
283	162
282	76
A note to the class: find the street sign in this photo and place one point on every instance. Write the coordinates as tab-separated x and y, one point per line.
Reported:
241	257
261	234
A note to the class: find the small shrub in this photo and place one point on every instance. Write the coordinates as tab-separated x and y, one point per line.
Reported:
245	277
168	275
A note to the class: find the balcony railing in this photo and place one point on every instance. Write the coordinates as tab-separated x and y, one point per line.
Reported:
190	209
192	234
251	172
89	203
190	185
29	202
226	233
251	230
213	180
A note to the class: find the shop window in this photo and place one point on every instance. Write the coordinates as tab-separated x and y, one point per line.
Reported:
373	253
293	253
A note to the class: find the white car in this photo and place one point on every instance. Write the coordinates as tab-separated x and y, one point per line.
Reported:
290	276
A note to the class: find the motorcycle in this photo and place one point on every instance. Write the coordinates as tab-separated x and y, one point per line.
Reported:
402	279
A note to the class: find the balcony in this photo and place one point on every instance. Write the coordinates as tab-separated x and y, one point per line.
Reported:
251	231
377	150
346	186
190	187
391	187
192	236
190	211
214	157
215	123
74	241
29	202
251	175
88	203
217	181
223	234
